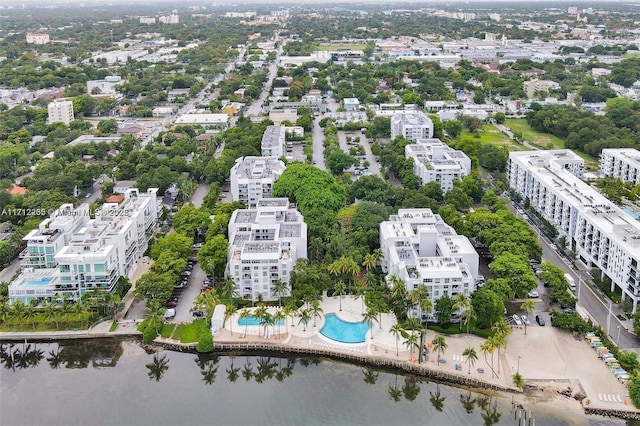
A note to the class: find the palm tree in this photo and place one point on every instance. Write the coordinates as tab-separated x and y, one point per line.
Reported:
50	312
268	321
229	313
499	340
290	311
361	292
469	315
278	317
304	318
65	310
440	345
426	306
411	341
260	313
228	289
80	310
461	303
396	330
340	288
370	260
398	287
154	314
518	380
30	313
280	288
529	306
17	311
485	348
315	310
471	355
244	316
370	315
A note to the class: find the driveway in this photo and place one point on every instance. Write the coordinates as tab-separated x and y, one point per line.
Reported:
187	295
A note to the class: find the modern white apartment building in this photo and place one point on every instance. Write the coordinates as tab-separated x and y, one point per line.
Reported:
169	19
106	86
411	125
71	254
252	178
420	248
599	233
60	111
264	244
435	161
621	163
273	141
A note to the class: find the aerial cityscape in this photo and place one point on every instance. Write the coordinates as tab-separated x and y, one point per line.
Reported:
391	212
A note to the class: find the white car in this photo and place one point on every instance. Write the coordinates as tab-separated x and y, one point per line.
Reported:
170	313
517	320
533	294
525	320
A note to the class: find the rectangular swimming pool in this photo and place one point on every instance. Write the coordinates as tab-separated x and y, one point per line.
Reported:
35	282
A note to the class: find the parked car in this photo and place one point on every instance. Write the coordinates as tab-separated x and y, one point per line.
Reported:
197	314
540	320
170	313
185	273
171	304
525	320
533	294
517	320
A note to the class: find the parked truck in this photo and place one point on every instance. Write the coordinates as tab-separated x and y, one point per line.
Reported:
571	281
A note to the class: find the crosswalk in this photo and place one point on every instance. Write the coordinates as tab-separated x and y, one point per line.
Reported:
606	397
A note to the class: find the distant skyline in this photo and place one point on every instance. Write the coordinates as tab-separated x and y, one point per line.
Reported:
543	3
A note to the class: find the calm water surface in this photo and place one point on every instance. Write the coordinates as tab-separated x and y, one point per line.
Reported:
115	382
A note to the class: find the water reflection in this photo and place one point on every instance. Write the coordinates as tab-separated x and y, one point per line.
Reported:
157	367
20	356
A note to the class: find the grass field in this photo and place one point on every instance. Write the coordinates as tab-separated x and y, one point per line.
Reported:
188	333
539	139
166	330
490	134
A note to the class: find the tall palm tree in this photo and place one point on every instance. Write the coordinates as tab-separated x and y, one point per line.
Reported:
280	288
30	313
65	309
488	348
50	313
426	306
80	309
339	289
370	261
228	289
260	313
229	312
17	311
396	330
499	340
471	355
278	317
155	315
529	306
315	310
440	345
304	318
361	293
244	316
290	311
461	303
370	316
411	341
268	321
468	316
398	287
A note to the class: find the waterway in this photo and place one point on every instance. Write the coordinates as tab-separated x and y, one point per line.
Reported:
116	382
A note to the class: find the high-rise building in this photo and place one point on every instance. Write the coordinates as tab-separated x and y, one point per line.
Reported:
412	126
60	111
264	244
598	232
621	163
435	161
252	178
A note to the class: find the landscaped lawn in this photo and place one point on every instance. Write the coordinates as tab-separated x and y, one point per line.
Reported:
188	333
167	329
455	329
539	139
491	134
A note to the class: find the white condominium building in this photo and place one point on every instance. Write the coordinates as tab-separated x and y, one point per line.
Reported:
264	244
60	111
252	178
412	126
621	163
273	141
597	231
435	161
420	248
88	253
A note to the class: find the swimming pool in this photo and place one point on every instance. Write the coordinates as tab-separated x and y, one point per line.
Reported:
631	213
251	320
34	282
342	331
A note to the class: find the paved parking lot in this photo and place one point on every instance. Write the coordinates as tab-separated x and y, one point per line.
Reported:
374	166
188	294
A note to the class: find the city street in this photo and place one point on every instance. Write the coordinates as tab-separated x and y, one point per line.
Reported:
318	148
